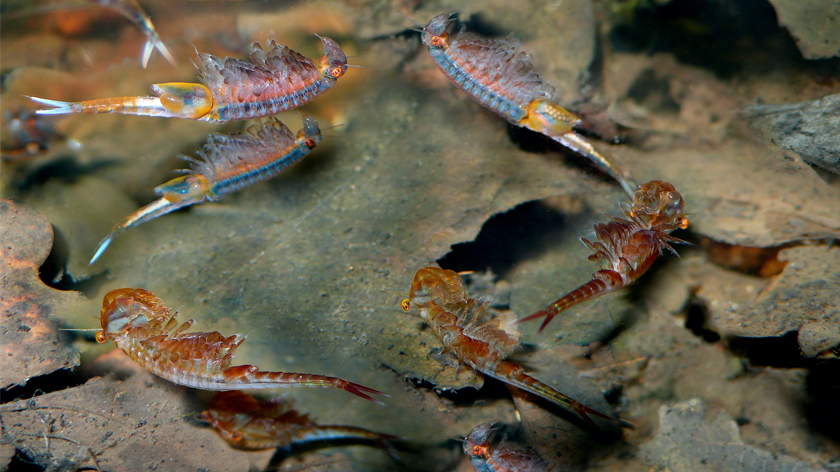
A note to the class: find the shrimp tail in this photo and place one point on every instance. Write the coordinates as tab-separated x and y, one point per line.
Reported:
59	107
103	245
151	211
580	145
603	281
249	377
516	376
154	42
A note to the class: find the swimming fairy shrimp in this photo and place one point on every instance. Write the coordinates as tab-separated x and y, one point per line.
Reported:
226	164
503	457
498	77
626	247
463	326
140	324
246	423
276	80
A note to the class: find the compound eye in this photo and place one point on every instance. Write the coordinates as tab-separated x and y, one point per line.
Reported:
406	305
478	450
236	436
310	143
683	223
436	41
101	337
336	72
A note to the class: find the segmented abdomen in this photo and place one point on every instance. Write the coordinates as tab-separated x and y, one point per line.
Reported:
470	82
230	163
270	102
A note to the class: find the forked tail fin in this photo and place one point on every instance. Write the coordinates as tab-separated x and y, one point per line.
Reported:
515	375
154	42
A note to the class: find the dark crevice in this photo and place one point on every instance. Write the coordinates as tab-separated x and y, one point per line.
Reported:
697	318
506	239
722	36
823	408
53	272
782	351
42	384
23	463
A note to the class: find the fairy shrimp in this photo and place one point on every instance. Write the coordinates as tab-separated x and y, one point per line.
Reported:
503	457
247	423
501	78
465	328
225	165
140	324
277	79
626	247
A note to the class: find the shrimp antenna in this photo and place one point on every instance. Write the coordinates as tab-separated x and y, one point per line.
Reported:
415	23
80	329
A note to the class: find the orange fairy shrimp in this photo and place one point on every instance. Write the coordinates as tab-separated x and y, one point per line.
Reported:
504	457
140	324
226	164
626	247
498	77
246	423
275	80
462	325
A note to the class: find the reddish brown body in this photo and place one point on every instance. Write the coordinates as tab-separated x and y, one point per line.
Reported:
625	248
503	457
466	330
141	325
246	423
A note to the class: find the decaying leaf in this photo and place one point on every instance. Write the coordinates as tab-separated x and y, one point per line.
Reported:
690	439
30	344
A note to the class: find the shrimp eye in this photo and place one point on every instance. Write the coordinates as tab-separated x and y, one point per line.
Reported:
436	41
101	337
684	223
336	72
310	143
478	450
406	305
237	436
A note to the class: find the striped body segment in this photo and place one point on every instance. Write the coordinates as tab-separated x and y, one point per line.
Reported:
466	330
226	164
625	248
141	326
491	71
247	423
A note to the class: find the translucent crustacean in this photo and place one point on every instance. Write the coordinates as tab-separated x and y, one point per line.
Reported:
226	164
498	77
276	80
140	324
626	247
246	423
134	12
463	326
503	457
